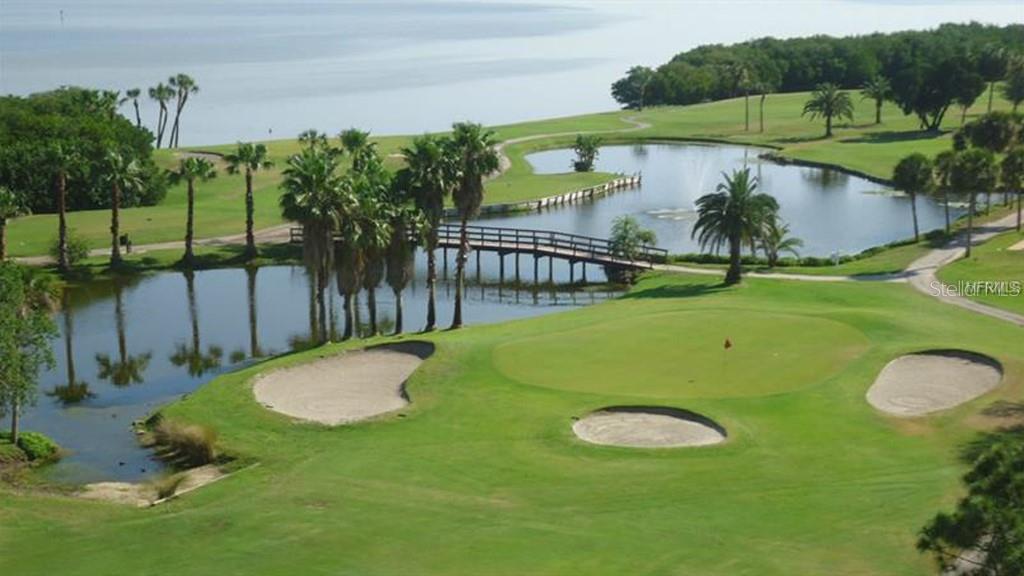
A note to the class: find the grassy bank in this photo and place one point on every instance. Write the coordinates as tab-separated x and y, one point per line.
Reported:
991	262
860	146
481	474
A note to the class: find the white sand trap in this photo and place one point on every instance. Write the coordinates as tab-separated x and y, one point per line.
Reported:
647	427
345	388
926	382
1019	246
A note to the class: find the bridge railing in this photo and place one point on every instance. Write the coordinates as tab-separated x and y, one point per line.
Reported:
544	242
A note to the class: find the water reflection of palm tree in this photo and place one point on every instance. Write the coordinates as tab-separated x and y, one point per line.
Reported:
126	369
254	333
192	355
73	390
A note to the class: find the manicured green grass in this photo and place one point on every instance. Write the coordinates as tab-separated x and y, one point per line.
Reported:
991	262
482	475
872	149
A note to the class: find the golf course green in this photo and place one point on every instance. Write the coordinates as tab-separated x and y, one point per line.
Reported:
482	474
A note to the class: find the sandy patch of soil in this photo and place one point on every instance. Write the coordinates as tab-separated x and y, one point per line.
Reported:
648	427
926	382
144	494
345	388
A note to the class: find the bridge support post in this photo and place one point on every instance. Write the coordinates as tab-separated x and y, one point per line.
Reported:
501	268
517	268
584	266
444	256
536	260
477	266
572	272
551	270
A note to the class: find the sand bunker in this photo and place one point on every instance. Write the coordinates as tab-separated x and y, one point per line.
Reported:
345	388
648	427
928	382
143	494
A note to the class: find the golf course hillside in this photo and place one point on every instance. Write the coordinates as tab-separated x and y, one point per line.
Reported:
483	471
860	146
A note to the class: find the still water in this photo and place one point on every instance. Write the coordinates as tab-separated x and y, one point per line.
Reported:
831	211
129	346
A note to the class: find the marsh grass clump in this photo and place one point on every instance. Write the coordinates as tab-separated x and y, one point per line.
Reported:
167	486
185	444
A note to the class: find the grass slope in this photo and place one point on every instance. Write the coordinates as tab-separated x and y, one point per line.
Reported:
861	146
991	262
482	475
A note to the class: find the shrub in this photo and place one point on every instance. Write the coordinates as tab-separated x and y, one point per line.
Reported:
167	486
78	248
192	444
38	447
9	453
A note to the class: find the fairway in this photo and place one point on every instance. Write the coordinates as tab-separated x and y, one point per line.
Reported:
684	355
482	474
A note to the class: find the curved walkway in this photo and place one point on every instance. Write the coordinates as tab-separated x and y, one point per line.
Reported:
921	274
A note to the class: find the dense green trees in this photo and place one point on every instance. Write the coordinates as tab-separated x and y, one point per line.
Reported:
587	147
973	172
248	158
925	68
984	534
25	332
87	121
1013	89
1012	176
733	215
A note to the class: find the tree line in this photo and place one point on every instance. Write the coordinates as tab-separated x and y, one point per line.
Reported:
926	71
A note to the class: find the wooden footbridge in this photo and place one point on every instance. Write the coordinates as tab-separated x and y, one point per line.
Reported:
573	248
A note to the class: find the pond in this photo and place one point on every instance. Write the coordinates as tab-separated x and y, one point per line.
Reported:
830	210
128	346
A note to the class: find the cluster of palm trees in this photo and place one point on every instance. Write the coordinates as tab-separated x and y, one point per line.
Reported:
360	222
987	156
737	215
171	98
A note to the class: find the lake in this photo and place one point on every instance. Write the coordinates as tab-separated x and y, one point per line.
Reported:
830	210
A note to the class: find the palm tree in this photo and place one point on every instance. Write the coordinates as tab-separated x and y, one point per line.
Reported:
973	171
1013	88
312	196
401	257
1012	175
61	159
250	158
74	390
133	95
161	94
357	144
878	89
11	206
430	175
126	369
313	139
732	215
992	67
190	170
943	171
775	240
828	102
913	175
121	174
184	86
476	158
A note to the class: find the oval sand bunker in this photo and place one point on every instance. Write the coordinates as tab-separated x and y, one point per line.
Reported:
345	388
647	427
926	382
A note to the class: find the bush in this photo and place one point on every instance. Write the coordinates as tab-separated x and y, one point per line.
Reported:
192	444
167	486
38	447
78	248
9	453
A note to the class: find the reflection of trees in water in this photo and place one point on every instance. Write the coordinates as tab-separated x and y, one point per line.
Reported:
254	335
639	151
191	355
72	391
127	369
824	178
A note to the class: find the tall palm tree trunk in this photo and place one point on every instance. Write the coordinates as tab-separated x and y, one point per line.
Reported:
878	111
945	204
350	314
122	339
763	97
431	283
732	276
321	301
62	225
190	224
193	308
15	409
250	209
115	225
746	111
399	313
460	272
913	212
991	89
161	124
371	304
1020	194
138	117
828	126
